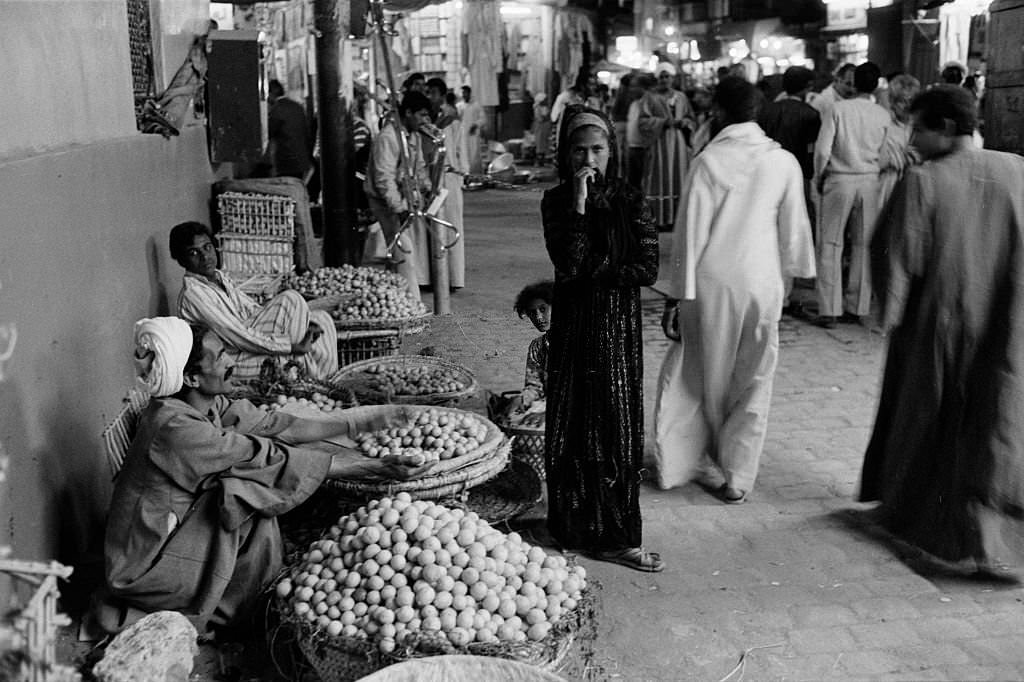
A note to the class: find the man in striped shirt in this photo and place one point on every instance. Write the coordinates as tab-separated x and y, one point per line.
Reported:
284	330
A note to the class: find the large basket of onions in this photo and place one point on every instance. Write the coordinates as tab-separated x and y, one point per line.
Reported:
407	379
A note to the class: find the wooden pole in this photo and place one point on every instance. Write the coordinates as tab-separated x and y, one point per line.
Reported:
341	238
439	268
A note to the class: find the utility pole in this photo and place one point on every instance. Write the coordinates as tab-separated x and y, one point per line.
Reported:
341	238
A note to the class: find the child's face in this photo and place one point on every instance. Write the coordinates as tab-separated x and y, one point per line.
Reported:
539	313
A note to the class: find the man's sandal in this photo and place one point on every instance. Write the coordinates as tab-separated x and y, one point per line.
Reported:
632	557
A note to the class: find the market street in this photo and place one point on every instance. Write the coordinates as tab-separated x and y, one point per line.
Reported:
799	568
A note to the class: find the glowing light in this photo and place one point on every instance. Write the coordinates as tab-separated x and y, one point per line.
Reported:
649	24
510	10
604	76
670	30
764	43
673	48
694	51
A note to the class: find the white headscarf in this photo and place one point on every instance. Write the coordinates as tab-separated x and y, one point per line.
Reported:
162	346
666	66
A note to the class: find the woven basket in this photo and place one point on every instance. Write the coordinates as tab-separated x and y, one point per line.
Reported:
344	659
528	446
356	378
260	394
366	345
515	490
408	325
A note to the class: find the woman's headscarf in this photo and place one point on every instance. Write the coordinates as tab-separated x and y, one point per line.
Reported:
667	66
162	347
622	243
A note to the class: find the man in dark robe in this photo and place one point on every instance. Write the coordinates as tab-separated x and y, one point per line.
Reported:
946	458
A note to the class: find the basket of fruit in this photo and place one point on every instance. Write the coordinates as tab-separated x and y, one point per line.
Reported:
466	450
400	579
512	492
361	298
279	389
354	346
407	379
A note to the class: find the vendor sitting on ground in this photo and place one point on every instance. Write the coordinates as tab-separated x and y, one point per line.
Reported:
534	301
192	524
284	328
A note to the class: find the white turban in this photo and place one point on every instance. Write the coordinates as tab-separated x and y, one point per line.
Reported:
666	66
162	346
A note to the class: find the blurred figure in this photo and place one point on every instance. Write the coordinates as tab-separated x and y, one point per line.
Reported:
846	167
541	128
416	82
705	119
946	458
897	154
953	73
842	87
290	144
667	118
639	140
624	96
473	120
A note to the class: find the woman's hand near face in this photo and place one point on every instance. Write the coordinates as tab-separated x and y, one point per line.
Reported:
579	183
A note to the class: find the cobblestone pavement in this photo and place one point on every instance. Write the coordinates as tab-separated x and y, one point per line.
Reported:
799	569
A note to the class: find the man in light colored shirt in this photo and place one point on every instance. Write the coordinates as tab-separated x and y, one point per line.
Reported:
841	88
385	174
846	168
637	143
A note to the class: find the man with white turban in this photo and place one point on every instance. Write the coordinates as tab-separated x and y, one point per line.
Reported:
192	524
667	118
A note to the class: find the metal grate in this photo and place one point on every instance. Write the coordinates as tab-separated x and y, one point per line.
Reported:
140	41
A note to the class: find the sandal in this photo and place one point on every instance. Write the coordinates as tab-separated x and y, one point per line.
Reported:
732	495
632	557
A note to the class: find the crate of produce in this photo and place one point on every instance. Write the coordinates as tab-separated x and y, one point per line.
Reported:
257	215
544	617
243	255
407	379
354	346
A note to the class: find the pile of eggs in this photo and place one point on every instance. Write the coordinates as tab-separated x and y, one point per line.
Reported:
343	280
430	436
414	380
398	568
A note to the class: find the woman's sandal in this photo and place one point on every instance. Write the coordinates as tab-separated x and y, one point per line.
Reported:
632	557
732	495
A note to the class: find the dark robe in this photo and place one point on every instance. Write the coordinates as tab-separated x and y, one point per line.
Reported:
191	525
946	457
594	420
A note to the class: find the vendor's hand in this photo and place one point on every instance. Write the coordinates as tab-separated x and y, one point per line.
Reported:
395	468
670	320
398	417
580	184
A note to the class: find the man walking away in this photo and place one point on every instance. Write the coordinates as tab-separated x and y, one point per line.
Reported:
946	458
846	168
291	151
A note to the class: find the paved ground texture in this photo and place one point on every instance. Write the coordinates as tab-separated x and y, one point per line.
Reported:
799	569
799	577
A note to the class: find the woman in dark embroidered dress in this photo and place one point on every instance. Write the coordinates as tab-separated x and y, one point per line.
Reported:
602	240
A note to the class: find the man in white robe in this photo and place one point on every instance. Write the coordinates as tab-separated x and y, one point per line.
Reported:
741	228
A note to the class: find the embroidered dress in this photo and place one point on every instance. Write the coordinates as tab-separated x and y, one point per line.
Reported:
536	368
594	419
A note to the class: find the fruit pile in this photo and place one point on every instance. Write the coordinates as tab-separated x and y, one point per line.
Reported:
396	569
414	379
430	436
343	280
317	401
379	304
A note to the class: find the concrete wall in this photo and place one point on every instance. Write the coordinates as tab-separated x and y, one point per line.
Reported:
86	203
84	255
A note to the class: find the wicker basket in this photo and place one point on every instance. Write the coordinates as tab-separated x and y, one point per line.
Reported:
366	345
528	446
356	377
408	325
515	490
259	394
257	215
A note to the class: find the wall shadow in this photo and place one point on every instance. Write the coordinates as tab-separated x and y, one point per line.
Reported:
158	299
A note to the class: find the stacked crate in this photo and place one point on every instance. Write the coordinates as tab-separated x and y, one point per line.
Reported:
256	239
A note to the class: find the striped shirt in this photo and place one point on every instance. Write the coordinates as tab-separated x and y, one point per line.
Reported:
229	312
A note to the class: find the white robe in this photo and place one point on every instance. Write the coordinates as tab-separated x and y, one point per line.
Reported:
741	228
